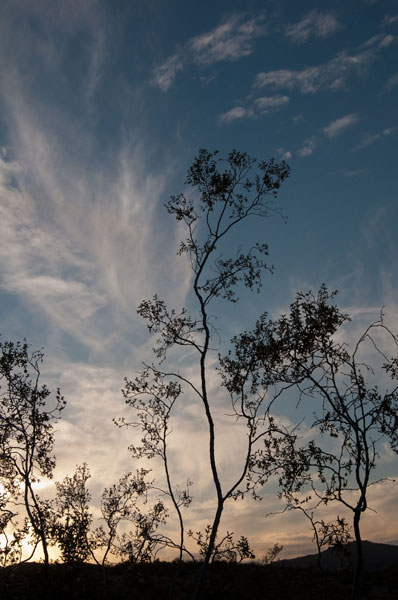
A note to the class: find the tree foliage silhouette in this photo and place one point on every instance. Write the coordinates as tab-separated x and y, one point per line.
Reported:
126	502
271	555
353	404
27	436
227	193
123	503
72	518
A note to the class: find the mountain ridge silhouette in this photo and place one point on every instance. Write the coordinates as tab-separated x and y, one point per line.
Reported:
376	557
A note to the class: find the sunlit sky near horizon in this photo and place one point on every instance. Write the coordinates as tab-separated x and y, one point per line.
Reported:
103	106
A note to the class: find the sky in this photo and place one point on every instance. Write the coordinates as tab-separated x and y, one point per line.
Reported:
103	106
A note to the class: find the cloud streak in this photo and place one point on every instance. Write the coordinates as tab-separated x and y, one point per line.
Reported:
230	41
332	130
391	82
371	138
389	20
258	107
314	24
331	76
337	127
65	248
166	73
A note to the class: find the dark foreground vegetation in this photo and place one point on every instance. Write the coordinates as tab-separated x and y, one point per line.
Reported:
157	581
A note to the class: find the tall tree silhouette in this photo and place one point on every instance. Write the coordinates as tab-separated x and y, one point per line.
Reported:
228	194
27	432
355	401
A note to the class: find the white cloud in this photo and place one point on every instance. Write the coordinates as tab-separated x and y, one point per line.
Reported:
96	62
332	75
238	112
371	138
282	78
259	106
339	125
266	104
308	147
379	40
230	41
352	172
332	130
392	82
58	21
314	24
76	246
307	81
386	41
166	73
72	297
389	20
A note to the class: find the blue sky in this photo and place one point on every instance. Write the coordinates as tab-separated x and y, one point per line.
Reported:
104	105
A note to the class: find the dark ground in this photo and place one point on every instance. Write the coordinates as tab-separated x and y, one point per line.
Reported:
154	581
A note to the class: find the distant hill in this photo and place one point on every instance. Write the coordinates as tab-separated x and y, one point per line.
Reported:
231	581
376	557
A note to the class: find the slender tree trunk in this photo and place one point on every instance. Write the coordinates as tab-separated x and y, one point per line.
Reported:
178	566
180	518
322	571
103	579
212	457
37	527
359	561
210	548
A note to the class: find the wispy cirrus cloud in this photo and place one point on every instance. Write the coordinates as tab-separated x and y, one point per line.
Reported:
330	131
332	75
336	127
371	138
380	40
230	41
96	63
308	146
234	114
265	104
67	264
391	82
389	20
65	247
352	172
314	24
260	106
59	23
166	73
